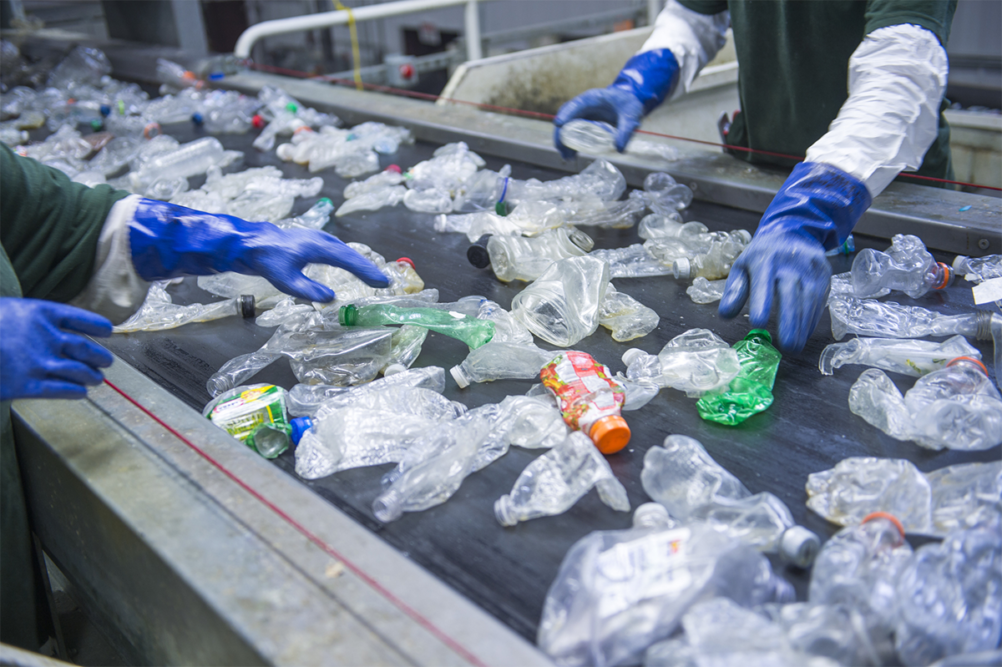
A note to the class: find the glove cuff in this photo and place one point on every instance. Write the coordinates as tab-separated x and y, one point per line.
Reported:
819	200
167	241
650	76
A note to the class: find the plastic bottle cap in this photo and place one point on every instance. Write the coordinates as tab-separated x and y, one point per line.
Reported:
681	268
759	333
407	260
217	76
581	240
257	121
299	426
151	130
292	106
972	360
96	124
477	253
197	118
395	168
651	515
501	208
890	517
347	315
799	546
459	376
610	434
958	261
393	369
947	276
105	110
247	306
632	354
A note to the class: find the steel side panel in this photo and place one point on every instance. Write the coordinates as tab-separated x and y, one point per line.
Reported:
932	213
194	569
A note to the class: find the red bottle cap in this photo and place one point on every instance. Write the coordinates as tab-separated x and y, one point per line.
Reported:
257	121
394	168
407	260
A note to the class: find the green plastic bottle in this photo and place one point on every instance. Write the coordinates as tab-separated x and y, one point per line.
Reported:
470	330
751	391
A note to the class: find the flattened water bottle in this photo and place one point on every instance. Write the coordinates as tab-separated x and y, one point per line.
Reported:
456	325
751	391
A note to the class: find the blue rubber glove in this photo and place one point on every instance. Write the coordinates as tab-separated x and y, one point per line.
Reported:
644	82
42	354
168	241
814	211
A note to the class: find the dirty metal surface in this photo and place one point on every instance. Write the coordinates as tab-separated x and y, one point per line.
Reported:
507	571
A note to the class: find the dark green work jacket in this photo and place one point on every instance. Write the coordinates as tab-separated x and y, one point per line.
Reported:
49	229
794	67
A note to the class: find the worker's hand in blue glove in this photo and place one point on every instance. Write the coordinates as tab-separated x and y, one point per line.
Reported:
43	355
815	210
167	241
644	82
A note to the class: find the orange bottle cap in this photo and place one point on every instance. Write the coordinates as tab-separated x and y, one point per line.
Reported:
890	517
972	360
610	434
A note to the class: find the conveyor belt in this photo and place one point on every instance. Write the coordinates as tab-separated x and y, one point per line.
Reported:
508	571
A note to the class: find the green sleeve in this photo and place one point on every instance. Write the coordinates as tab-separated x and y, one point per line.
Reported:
705	6
936	16
49	226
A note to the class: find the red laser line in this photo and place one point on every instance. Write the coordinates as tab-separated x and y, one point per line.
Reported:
400	604
545	116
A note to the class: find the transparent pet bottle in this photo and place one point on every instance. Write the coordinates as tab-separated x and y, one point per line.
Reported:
906	266
563	305
522	258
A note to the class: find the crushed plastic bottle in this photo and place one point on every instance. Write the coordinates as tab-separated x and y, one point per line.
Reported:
471	331
507	329
956	407
589	398
706	291
859	567
563	305
159	312
316	217
951	598
190	159
631	262
847	248
613	214
663	225
750	392
372	200
886	319
555	481
599	179
595	137
303	400
626	317
428	201
618	592
978	269
908	357
686	480
966	495
501	361
697	361
254	415
716	262
906	266
521	258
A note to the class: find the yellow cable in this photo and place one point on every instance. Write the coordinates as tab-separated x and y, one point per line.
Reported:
355	55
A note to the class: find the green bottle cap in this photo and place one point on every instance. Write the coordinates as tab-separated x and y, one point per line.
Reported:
96	124
347	315
323	200
501	208
292	106
759	333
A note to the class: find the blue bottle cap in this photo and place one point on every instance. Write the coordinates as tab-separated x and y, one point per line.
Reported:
217	76
197	119
299	426
105	110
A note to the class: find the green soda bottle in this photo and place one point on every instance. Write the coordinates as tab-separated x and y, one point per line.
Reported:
751	391
470	330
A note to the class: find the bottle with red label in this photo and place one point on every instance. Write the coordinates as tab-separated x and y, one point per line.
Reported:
590	399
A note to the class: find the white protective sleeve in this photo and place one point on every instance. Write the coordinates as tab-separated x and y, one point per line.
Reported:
897	78
115	290
693	38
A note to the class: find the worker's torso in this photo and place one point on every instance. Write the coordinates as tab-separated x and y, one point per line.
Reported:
794	58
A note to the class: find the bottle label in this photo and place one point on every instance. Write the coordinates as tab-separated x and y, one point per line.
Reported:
583	387
652	566
241	415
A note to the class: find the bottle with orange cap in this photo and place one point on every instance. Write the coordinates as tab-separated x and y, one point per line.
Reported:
906	266
591	401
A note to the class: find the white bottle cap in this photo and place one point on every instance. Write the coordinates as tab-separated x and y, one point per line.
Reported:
799	546
632	354
681	268
460	377
651	515
958	261
285	152
393	369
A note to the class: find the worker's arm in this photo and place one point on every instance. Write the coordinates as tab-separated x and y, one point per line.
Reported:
683	41
897	78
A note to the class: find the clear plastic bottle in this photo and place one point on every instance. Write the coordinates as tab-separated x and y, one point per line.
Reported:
589	398
978	269
384	179
658	225
316	217
190	159
612	214
618	592
866	317
859	568
693	487
471	331
706	291
428	201
667	196
908	357
751	391
906	266
626	317
303	400
698	361
372	200
631	262
501	361
588	136
716	262
562	305
159	312
522	258
956	407
552	483
951	596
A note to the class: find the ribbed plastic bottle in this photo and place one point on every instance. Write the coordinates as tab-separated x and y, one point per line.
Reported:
751	391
